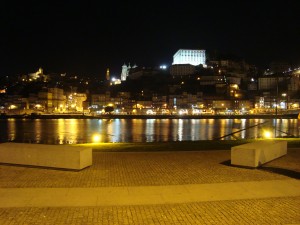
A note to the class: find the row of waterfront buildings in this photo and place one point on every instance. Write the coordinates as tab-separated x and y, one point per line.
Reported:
53	100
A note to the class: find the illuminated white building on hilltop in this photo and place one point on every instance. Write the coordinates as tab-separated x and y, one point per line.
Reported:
189	56
125	71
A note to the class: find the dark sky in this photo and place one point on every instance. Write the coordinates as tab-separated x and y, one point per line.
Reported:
86	37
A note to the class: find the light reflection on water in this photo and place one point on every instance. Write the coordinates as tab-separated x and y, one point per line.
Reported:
70	131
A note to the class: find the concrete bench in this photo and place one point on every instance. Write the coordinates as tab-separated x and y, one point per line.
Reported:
56	156
257	153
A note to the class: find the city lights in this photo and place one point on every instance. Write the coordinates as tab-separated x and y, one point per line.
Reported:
13	107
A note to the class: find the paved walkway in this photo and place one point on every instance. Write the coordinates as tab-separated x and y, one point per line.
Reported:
147	195
154	188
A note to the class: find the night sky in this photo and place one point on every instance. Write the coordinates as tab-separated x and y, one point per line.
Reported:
87	37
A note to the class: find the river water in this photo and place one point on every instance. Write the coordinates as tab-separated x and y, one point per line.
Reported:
72	131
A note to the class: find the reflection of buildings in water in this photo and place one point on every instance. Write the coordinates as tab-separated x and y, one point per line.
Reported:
287	127
72	127
158	130
198	129
101	131
67	131
149	130
117	131
229	128
191	132
137	130
194	129
222	128
210	124
180	129
282	124
38	130
109	130
165	127
61	131
114	131
11	127
123	131
259	129
186	130
235	127
243	126
174	130
203	129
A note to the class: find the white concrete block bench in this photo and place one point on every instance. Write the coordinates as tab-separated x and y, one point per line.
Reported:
257	153
56	156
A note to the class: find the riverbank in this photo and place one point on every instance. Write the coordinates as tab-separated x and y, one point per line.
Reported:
179	145
115	116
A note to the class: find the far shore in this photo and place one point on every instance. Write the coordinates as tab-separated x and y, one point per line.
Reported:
117	116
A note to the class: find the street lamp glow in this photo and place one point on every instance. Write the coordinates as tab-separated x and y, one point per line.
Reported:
267	134
96	138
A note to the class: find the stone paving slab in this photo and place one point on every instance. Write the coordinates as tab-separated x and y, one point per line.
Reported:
270	211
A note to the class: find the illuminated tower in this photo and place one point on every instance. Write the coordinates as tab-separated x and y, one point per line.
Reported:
107	74
124	73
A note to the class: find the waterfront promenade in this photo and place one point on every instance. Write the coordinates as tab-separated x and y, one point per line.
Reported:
181	187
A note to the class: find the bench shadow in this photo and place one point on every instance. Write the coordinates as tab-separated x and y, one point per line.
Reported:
277	170
227	163
281	171
41	167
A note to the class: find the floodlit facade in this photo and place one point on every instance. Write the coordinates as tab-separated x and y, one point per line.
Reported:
189	56
125	71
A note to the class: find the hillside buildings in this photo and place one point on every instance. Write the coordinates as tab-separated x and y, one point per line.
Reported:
193	84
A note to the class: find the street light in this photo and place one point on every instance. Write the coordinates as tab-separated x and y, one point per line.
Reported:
286	103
